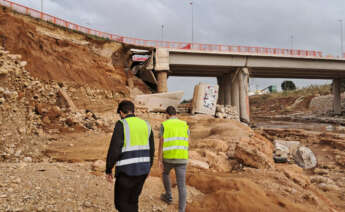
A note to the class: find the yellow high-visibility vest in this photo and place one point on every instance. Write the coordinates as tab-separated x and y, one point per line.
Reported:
175	139
135	153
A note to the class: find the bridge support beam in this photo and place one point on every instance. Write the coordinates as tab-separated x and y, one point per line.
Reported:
244	100
337	98
227	89
162	85
220	81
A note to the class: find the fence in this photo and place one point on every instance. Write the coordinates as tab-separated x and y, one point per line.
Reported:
161	44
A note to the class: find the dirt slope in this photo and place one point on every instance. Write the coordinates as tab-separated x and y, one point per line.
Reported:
55	54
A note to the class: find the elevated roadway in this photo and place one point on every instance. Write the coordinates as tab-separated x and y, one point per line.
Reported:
234	69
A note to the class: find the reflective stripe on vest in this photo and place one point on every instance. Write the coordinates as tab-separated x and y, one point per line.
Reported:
175	137
135	153
133	160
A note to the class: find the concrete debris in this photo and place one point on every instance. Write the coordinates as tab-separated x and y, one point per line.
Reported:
305	158
67	100
160	101
281	153
205	99
227	112
324	104
284	151
252	157
198	164
98	165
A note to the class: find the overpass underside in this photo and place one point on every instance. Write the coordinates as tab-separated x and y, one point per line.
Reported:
233	71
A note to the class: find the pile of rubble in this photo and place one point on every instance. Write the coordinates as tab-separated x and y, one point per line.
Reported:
227	112
294	152
31	109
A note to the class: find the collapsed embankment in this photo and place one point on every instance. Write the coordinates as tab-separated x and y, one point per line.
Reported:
54	53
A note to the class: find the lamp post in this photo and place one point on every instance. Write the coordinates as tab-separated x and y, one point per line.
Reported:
162	32
291	40
41	6
191	3
341	38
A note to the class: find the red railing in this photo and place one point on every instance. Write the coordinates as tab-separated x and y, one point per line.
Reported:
161	44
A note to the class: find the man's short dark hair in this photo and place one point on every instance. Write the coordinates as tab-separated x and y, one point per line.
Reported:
126	107
171	110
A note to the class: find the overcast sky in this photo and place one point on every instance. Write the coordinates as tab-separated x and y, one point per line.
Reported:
314	24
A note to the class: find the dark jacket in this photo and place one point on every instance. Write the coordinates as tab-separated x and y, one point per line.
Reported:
116	144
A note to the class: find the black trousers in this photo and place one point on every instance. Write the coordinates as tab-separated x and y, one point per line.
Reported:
127	191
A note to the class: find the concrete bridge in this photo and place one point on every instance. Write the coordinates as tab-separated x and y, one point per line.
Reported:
233	70
232	65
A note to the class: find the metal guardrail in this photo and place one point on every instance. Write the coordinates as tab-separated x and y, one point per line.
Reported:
159	44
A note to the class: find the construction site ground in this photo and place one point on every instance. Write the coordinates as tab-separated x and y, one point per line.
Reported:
58	95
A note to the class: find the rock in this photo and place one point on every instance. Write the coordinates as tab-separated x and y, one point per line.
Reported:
320	171
281	153
305	158
328	187
2	100
27	159
46	120
3	72
211	143
87	204
99	165
252	157
220	115
198	164
18	152
321	179
291	145
296	174
23	63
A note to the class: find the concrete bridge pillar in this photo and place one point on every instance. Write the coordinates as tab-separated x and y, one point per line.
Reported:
227	89
243	76
337	98
235	92
162	68
220	81
162	85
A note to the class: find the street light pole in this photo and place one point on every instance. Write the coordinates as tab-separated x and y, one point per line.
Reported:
162	32
191	3
41	6
291	38
341	38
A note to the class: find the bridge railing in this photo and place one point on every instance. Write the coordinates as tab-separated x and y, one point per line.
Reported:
162	44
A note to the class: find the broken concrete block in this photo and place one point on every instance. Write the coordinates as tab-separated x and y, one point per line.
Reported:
205	99
198	164
66	100
160	101
305	158
281	153
291	145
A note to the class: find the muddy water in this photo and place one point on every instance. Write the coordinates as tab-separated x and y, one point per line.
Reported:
320	127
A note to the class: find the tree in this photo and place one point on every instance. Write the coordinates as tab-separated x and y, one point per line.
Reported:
288	85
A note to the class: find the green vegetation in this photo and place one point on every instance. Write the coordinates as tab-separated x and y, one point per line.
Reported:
288	85
312	90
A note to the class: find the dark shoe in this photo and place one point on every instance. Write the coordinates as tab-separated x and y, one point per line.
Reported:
166	199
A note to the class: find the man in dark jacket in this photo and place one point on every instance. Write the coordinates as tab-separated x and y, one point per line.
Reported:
131	150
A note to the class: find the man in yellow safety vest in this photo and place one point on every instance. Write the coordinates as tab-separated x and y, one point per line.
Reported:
173	154
131	150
